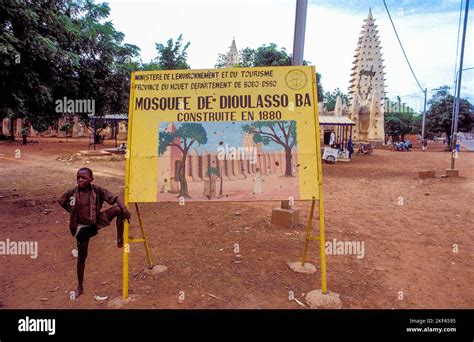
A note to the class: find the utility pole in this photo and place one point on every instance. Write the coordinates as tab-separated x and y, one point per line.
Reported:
424	120
298	51
300	26
454	103
454	152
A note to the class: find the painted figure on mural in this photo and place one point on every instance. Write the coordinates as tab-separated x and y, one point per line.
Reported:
166	186
257	179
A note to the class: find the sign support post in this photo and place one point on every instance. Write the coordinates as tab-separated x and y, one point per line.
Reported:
126	228
321	237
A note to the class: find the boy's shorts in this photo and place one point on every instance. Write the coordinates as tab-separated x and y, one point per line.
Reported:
87	232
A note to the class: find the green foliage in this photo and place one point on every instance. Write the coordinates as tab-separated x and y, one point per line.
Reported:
165	139
247	58
397	125
439	114
171	56
319	85
188	133
221	60
400	119
267	55
53	49
65	127
270	55
280	132
213	171
192	131
330	99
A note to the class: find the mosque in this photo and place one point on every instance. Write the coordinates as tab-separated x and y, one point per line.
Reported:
365	112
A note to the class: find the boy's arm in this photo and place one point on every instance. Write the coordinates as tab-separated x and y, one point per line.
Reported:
65	200
114	199
122	206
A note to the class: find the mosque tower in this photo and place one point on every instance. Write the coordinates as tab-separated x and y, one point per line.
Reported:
232	57
367	89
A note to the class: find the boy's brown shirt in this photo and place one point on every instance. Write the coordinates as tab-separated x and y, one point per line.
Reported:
97	196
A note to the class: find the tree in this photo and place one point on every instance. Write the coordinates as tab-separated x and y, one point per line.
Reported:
319	85
397	125
400	119
247	58
439	114
280	132
221	60
33	53
55	49
267	55
397	106
172	56
66	128
105	61
188	134
330	99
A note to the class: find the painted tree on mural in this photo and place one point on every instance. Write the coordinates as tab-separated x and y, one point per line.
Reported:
189	134
280	132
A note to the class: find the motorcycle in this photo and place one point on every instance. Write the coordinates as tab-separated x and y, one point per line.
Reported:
365	149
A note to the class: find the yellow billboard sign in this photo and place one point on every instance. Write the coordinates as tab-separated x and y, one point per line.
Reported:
234	134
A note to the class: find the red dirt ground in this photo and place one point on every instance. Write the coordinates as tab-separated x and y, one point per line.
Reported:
408	248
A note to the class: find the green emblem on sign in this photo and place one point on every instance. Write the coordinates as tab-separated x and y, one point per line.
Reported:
296	79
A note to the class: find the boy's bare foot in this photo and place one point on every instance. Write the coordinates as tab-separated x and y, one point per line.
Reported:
119	243
75	294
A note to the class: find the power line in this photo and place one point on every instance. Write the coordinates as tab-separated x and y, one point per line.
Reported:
401	45
420	92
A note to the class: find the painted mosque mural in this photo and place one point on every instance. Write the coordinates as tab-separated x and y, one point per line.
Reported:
235	161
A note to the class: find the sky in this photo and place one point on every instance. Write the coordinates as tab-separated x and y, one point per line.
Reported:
428	30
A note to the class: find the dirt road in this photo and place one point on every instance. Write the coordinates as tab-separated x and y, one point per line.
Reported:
418	238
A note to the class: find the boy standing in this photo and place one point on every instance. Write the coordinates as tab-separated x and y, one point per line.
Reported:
84	203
